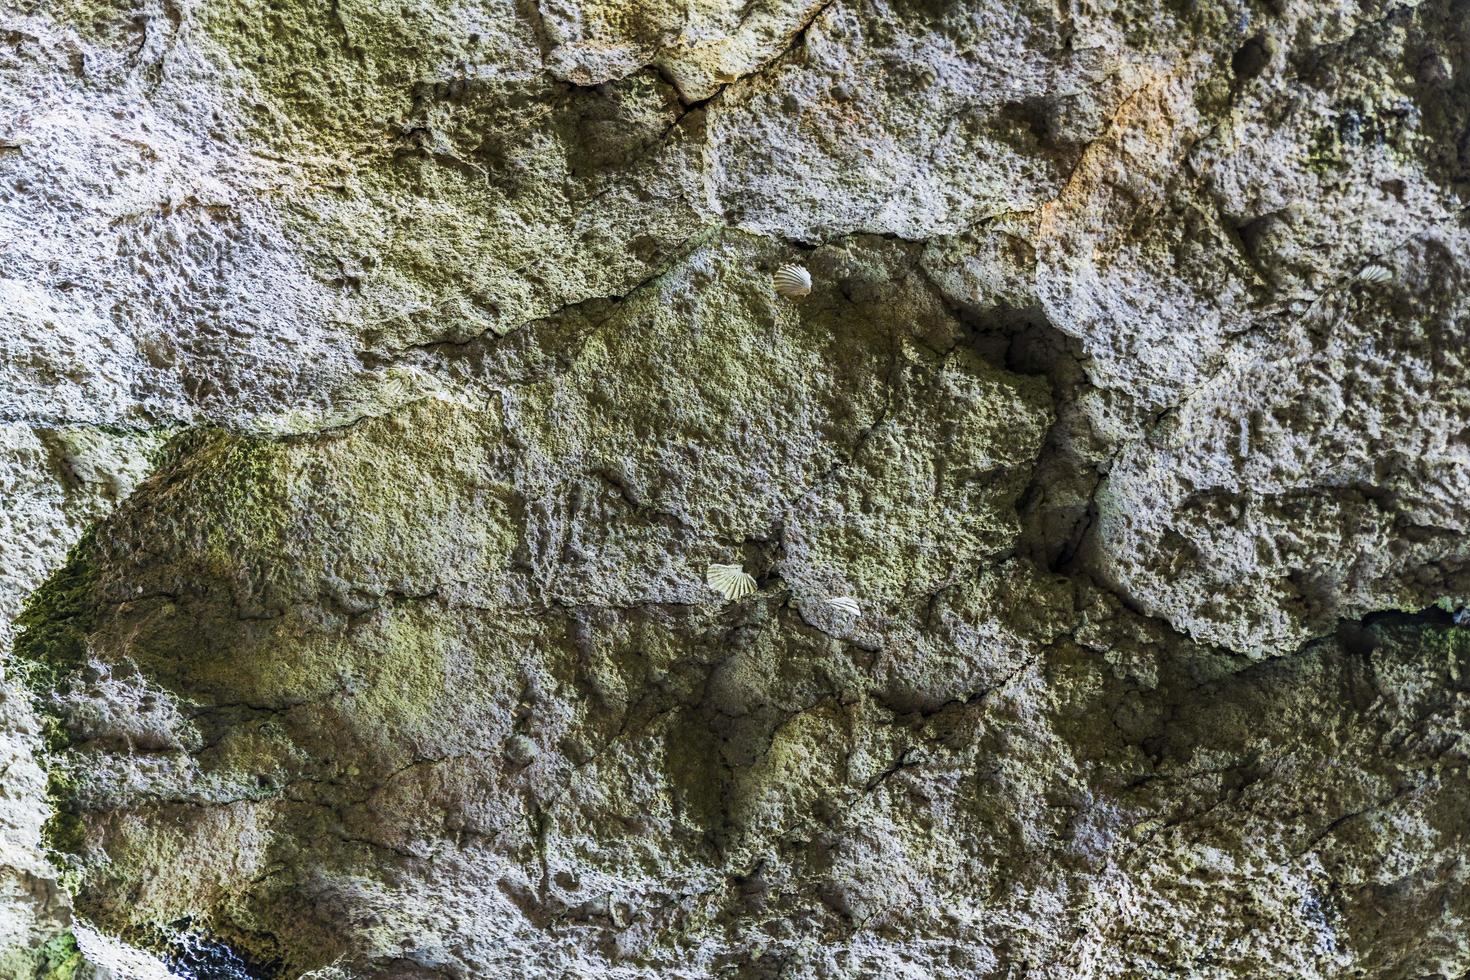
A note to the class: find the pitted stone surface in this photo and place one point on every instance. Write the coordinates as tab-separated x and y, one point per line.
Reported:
393	372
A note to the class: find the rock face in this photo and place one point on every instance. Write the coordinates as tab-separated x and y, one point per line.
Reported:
380	380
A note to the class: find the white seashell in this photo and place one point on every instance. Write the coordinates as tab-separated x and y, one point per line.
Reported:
792	281
729	580
1375	273
845	604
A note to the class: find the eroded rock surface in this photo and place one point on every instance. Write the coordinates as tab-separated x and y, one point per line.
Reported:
393	372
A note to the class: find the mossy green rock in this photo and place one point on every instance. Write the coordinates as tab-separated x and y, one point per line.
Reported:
1107	521
446	686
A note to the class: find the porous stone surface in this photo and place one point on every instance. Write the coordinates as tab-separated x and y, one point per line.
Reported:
380	380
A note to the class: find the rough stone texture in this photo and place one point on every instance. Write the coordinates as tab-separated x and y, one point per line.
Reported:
55	481
392	373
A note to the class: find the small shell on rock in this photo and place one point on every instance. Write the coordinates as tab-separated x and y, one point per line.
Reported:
729	580
792	281
845	604
1375	273
521	751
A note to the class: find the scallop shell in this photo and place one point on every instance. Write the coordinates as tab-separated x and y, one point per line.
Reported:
792	281
729	580
1375	273
845	604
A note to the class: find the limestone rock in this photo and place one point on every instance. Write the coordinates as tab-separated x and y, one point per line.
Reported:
377	382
